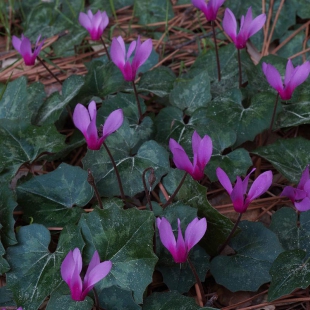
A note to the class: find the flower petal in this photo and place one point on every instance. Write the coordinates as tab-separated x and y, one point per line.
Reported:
180	158
273	77
230	24
142	54
85	21
204	152
304	178
194	232
300	75
117	52
112	123
92	264
16	43
237	197
180	254
260	185
256	24
303	205
67	268
166	234
81	118
224	179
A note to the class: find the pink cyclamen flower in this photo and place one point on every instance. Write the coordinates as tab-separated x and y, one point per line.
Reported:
202	150
180	248
71	268
248	26
85	120
209	9
23	46
121	59
293	78
238	195
94	24
300	196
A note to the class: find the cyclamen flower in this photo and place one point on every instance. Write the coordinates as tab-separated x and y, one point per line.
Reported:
23	46
202	150
293	78
300	196
94	24
237	194
209	9
71	268
121	59
85	121
179	249
248	26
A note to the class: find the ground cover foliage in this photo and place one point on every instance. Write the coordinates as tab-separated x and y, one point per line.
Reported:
48	202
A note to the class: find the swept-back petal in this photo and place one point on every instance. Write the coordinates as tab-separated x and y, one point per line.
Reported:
25	47
260	185
200	4
304	178
117	52
67	268
237	197
92	264
81	118
99	272
16	43
131	48
289	72
273	77
256	24
230	24
224	179
104	21
246	181
180	158
112	123
166	234
204	152
85	21
194	232
293	193
299	76
142	54
196	139
180	255
303	205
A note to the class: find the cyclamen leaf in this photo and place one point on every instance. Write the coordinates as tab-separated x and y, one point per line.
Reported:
35	271
126	238
53	199
256	249
4	266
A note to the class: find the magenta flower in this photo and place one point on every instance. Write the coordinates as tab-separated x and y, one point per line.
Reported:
71	268
179	249
94	24
238	195
202	150
300	196
85	121
121	59
248	26
23	46
209	9
293	78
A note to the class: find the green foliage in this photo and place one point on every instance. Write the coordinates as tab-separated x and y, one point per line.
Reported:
256	248
288	156
43	197
35	271
126	238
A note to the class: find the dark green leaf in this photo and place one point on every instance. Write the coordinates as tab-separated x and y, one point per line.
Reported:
109	6
6	297
194	195
7	206
180	277
116	298
191	92
289	271
4	266
289	156
126	238
53	199
21	143
256	248
293	235
53	106
121	144
35	271
149	11
61	300
171	301
158	81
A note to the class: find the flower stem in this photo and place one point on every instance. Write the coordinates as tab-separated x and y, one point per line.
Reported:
273	115
116	171
49	71
91	181
175	192
203	297
138	102
231	234
96	299
151	181
216	52
240	71
105	48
